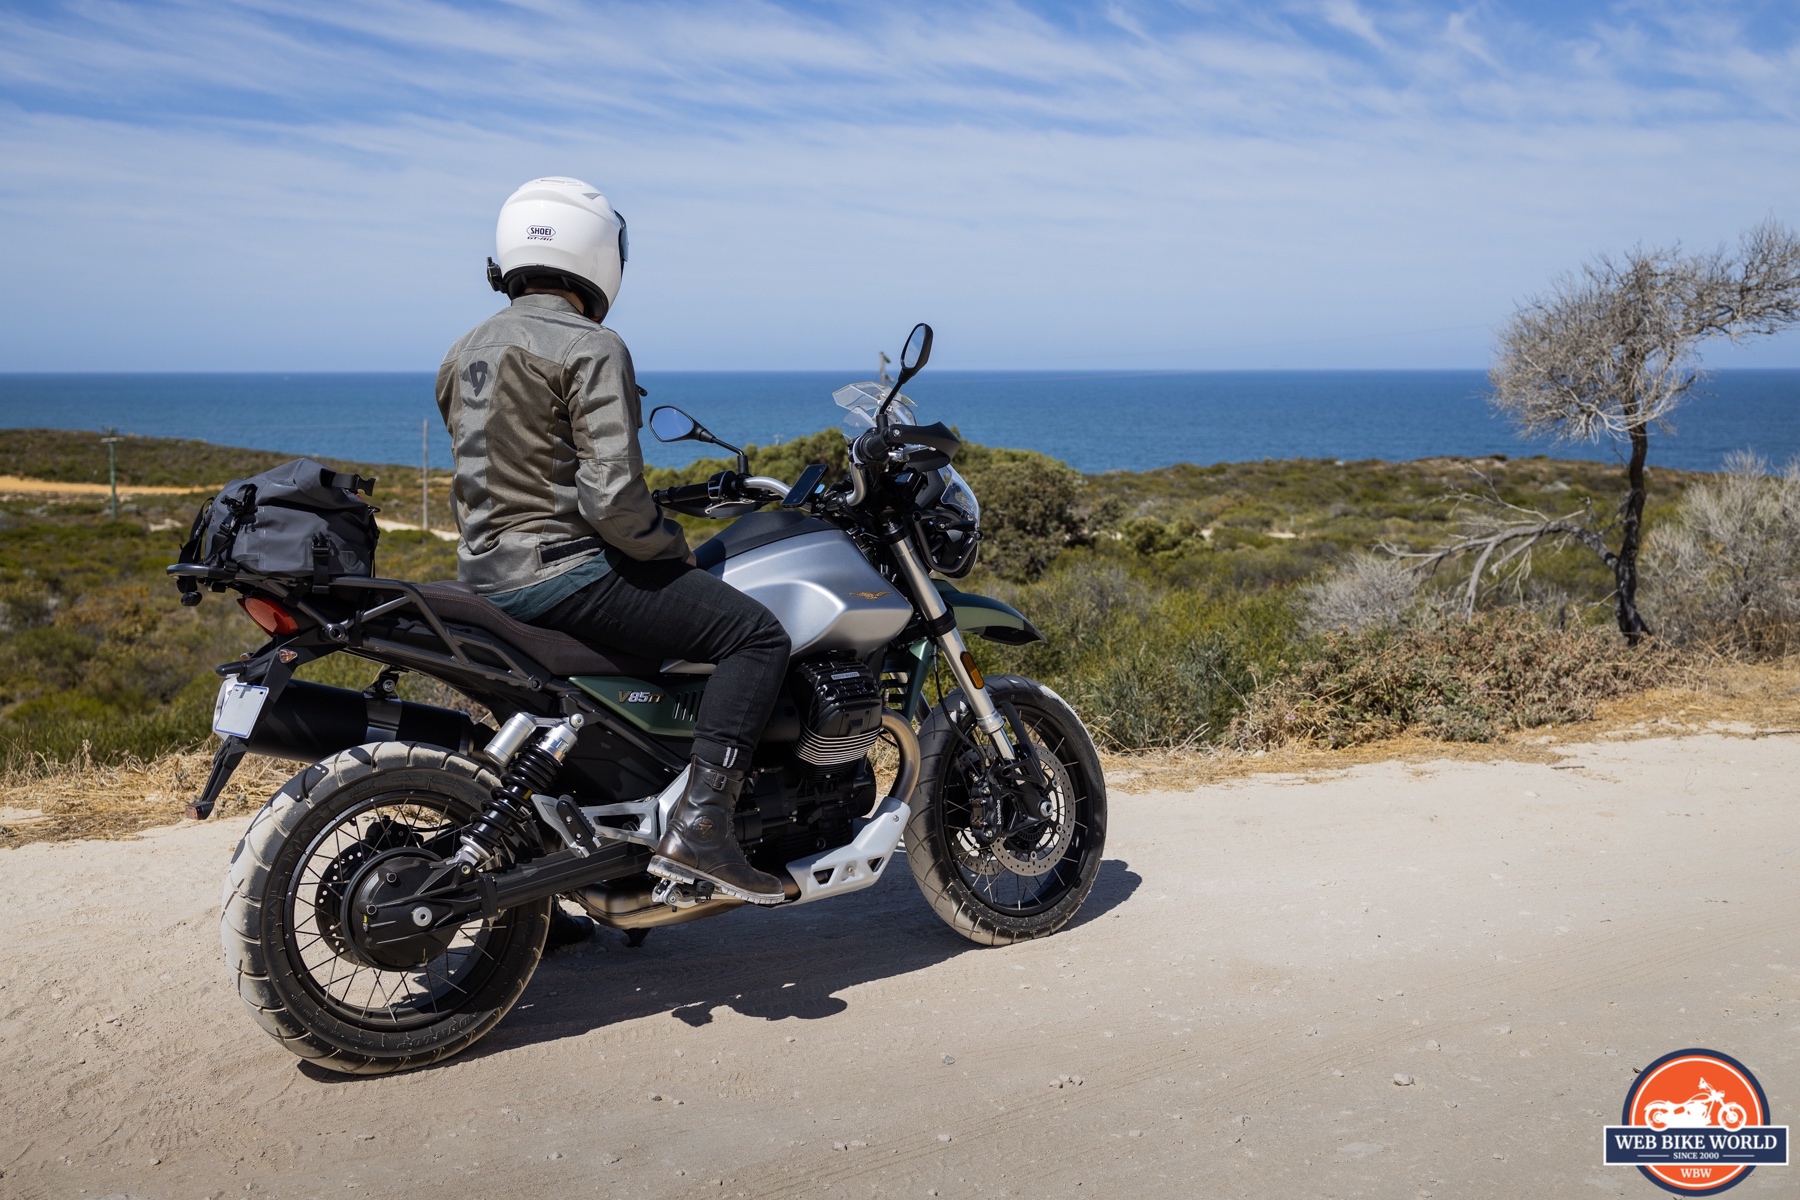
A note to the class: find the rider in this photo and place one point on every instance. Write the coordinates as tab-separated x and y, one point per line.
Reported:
559	528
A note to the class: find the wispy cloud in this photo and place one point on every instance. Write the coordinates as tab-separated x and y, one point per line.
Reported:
1127	183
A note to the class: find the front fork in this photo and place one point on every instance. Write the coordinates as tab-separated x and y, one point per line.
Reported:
942	624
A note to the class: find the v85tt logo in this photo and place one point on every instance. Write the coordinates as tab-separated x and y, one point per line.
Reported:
1696	1123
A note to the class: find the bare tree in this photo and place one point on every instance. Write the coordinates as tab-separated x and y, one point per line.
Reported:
1613	350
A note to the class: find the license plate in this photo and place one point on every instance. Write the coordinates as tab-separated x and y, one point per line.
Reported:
238	706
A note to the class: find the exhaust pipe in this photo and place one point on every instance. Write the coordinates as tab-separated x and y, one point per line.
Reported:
310	721
906	779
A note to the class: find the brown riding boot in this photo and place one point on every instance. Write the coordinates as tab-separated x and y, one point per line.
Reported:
700	844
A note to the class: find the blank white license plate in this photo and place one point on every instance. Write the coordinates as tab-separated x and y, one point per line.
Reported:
238	706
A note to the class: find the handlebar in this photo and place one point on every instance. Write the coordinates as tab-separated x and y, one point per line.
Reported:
768	484
726	487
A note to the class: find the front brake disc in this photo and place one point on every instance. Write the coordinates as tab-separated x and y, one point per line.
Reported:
1038	850
971	855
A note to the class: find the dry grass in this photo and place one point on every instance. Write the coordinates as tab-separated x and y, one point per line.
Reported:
1706	694
60	802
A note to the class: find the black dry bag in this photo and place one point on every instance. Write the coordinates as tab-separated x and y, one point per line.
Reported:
300	521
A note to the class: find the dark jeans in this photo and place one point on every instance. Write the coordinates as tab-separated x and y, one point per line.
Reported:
667	609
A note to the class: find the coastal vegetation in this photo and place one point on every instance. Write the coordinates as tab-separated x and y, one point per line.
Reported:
1240	604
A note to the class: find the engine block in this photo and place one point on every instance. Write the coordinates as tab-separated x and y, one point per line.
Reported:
840	711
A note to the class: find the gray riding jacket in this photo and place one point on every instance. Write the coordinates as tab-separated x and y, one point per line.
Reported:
543	413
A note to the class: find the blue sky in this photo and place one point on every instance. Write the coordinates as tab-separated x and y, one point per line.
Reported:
1328	183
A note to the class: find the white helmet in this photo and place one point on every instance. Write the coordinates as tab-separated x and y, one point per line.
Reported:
558	232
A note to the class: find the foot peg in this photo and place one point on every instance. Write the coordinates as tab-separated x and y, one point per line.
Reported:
679	895
684	885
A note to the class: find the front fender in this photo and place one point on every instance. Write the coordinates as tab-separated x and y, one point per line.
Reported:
992	619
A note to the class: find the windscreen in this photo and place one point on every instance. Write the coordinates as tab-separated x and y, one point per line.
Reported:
861	401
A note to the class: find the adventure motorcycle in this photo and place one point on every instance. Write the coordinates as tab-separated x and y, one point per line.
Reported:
389	904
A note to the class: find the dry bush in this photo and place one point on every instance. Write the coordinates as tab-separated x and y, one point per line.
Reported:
1456	680
1369	591
1726	572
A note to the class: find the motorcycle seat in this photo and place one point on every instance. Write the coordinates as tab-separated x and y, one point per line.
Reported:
459	604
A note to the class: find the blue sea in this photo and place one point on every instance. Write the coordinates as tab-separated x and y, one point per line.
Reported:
1095	421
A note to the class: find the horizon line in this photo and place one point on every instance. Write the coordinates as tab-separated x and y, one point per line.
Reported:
734	371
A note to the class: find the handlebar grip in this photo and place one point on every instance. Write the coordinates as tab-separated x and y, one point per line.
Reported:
686	493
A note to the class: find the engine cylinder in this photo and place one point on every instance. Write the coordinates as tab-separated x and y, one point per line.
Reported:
841	706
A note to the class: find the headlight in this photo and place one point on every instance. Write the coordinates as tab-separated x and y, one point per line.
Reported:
961	497
951	527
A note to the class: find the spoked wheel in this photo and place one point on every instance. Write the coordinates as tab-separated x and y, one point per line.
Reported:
991	885
332	834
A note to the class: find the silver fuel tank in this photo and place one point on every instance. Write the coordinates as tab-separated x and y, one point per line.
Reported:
812	577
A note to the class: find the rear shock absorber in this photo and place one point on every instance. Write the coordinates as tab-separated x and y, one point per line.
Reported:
506	831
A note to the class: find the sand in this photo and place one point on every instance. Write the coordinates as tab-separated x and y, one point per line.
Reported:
1259	961
15	485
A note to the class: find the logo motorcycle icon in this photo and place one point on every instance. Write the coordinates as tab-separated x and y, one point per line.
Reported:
1696	1123
1708	1107
871	595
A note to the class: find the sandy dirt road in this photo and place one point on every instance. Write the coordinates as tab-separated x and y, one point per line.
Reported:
1258	963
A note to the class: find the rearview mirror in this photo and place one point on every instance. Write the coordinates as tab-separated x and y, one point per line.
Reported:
917	351
913	356
670	424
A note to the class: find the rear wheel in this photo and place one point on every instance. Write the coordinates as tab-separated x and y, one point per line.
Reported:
284	911
998	890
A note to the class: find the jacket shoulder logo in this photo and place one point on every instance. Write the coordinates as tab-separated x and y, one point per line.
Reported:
540	233
477	375
871	595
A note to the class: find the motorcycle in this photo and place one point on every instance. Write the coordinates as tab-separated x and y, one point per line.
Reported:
388	905
1707	1109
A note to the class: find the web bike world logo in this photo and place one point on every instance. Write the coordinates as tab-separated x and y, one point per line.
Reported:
1696	1123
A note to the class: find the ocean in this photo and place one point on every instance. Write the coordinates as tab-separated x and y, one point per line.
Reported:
1095	421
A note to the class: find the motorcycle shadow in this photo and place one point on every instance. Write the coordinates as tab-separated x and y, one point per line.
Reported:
766	965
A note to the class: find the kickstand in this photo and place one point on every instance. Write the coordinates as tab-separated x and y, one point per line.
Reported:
635	937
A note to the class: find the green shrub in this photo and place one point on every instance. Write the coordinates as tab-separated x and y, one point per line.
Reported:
1156	539
1029	514
181	724
1164	695
1146	665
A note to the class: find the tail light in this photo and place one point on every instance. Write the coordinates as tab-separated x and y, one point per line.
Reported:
273	618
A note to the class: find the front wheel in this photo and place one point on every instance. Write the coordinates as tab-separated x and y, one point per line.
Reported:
285	909
1002	889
